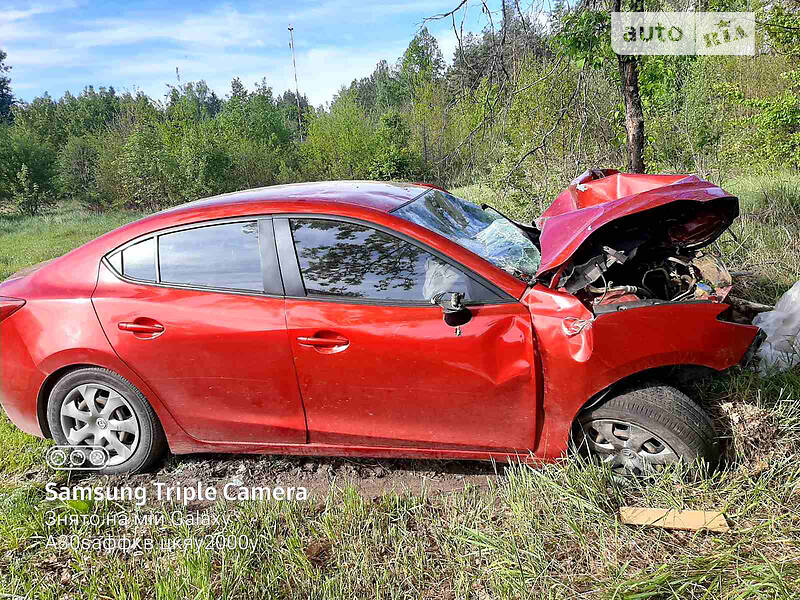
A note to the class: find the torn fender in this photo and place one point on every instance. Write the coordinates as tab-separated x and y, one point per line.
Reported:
579	361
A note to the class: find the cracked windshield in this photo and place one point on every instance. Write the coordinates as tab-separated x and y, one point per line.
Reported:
489	235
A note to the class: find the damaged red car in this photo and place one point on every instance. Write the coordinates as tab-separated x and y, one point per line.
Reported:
383	320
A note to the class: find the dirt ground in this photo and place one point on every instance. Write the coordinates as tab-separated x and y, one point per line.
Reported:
370	477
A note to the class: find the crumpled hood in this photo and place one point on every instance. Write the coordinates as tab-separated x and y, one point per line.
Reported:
599	197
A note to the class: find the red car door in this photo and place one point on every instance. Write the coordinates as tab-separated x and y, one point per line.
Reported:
376	362
198	313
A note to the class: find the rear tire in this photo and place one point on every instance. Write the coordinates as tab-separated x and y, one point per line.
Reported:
646	427
97	407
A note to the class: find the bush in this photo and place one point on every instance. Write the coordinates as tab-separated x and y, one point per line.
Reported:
340	143
146	171
19	146
393	158
27	197
77	169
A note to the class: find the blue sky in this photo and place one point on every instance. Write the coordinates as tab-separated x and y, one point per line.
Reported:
61	45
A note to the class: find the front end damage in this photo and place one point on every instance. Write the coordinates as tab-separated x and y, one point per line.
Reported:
617	241
625	289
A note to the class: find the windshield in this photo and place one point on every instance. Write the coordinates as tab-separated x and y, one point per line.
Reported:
489	235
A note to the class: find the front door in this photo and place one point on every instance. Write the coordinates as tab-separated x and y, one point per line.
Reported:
376	362
202	321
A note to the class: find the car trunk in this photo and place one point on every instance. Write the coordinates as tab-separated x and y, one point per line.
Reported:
617	240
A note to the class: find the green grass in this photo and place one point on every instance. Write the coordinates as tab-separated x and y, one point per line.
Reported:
25	240
532	533
550	532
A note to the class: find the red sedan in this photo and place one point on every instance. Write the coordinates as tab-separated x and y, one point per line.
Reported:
385	320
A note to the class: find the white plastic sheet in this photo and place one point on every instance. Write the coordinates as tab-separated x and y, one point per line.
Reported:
781	349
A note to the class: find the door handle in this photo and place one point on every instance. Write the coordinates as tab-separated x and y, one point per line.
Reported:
323	342
141	327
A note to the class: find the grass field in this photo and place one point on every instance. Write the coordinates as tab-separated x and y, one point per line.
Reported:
523	533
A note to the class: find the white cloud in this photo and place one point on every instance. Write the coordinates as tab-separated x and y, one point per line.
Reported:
448	42
321	71
221	28
48	57
226	26
18	23
12	13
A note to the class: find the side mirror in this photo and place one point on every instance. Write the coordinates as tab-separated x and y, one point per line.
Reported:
454	312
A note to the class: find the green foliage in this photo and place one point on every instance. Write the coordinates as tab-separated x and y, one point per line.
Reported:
77	168
422	62
584	37
777	121
393	159
340	143
146	170
19	146
782	27
509	114
26	195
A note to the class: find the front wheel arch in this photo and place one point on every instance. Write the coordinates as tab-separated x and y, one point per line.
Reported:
678	376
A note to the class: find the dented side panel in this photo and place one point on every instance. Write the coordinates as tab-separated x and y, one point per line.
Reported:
581	355
407	379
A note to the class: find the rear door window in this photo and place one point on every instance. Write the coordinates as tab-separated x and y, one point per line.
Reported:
224	256
139	260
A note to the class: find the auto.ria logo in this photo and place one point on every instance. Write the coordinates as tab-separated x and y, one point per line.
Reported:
660	33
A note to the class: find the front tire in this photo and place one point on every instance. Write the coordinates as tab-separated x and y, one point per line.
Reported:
97	407
646	427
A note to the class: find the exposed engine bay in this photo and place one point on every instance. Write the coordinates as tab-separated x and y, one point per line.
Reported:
649	257
670	278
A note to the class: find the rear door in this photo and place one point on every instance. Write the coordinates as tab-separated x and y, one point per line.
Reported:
198	313
376	362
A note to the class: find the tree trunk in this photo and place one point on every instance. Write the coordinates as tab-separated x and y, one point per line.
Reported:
634	117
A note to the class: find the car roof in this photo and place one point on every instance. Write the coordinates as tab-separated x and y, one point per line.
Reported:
377	195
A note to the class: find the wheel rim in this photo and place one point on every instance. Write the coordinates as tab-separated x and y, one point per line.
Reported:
627	448
94	414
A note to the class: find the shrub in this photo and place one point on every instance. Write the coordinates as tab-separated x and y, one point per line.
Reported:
77	169
340	142
27	197
393	158
20	146
146	171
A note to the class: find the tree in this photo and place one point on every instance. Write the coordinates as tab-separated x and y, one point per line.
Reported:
287	103
584	36
380	91
6	97
422	62
238	90
629	84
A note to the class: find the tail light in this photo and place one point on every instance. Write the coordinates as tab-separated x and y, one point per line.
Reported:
8	306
